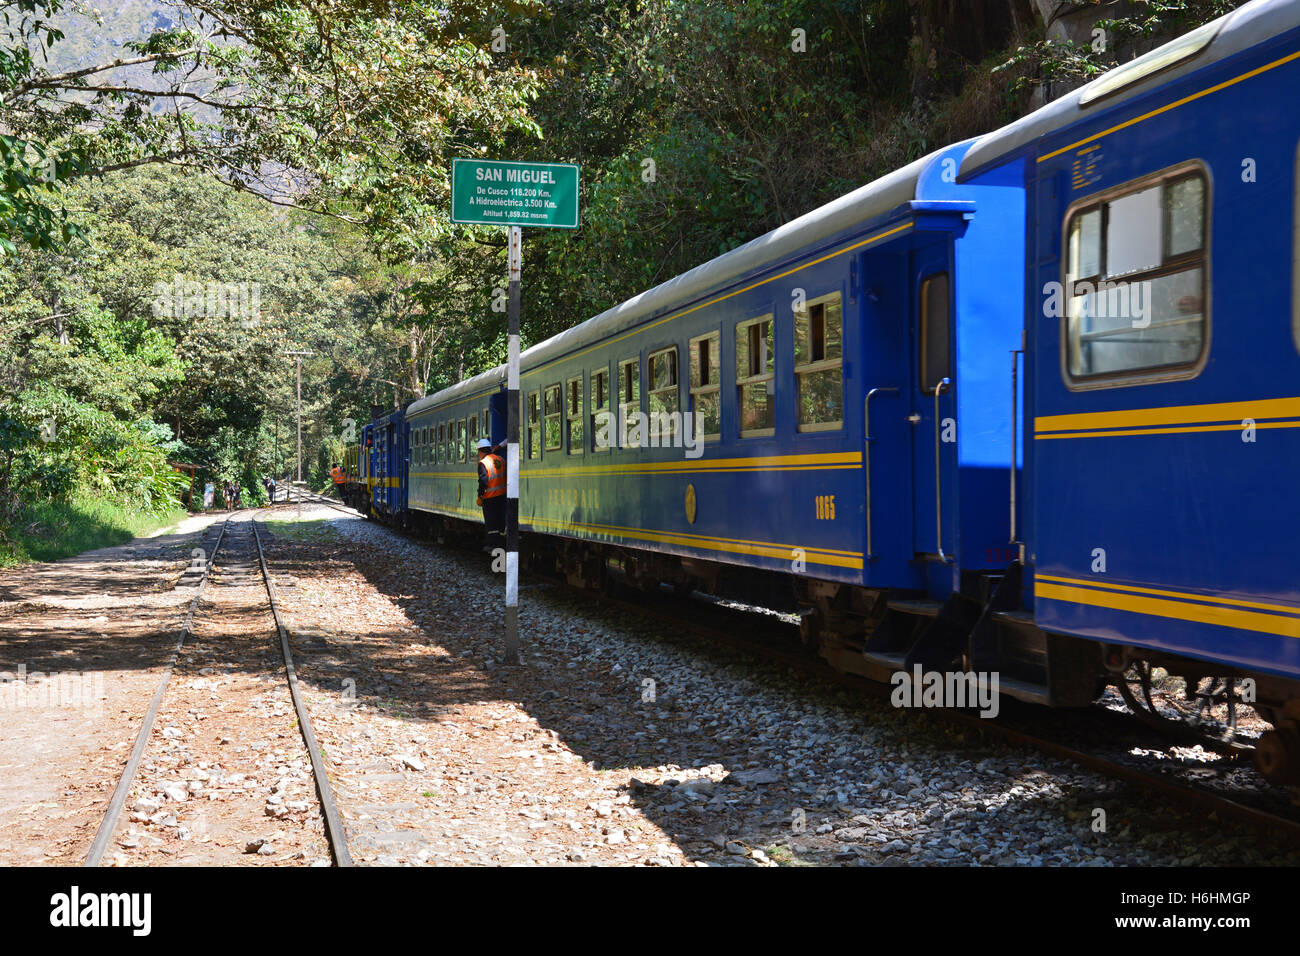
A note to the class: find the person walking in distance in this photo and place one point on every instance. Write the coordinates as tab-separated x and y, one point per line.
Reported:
492	492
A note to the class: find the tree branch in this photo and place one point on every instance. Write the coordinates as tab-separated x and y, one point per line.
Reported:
165	94
61	79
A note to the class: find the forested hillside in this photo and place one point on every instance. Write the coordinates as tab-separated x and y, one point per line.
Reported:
192	189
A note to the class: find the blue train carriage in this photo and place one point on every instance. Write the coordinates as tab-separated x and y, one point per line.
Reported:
445	429
387	434
1163	366
828	406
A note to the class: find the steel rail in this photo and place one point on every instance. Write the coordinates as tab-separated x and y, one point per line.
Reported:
118	800
333	822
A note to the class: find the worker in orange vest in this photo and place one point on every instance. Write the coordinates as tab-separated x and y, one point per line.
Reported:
337	474
492	492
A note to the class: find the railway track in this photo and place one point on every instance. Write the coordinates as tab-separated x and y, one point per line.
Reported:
242	564
776	640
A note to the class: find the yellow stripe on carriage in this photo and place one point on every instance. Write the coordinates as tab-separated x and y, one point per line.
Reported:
1180	418
1178	610
825	556
829	461
1183	595
825	461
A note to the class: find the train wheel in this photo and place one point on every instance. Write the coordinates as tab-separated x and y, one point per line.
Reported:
1207	715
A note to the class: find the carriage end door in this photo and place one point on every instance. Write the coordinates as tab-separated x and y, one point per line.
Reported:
933	420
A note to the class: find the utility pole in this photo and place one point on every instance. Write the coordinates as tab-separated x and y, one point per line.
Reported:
297	361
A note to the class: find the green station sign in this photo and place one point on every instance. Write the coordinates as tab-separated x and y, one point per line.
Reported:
493	192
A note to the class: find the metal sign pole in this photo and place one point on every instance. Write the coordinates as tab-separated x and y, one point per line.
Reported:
493	192
515	257
297	360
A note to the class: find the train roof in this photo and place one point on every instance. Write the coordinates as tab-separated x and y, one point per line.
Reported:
1230	34
866	202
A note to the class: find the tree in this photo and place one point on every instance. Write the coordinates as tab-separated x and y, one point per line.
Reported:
349	107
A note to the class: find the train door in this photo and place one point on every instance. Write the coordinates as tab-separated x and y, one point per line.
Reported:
371	453
401	465
382	439
933	414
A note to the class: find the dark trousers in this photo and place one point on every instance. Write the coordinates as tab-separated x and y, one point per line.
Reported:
494	516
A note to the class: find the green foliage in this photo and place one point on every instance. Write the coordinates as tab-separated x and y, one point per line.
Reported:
30	177
1060	65
51	530
1165	18
348	108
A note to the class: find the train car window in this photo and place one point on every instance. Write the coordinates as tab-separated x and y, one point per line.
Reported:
1135	289
439	449
573	414
936	339
664	398
755	376
819	363
601	439
553	427
486	430
473	437
629	402
460	440
534	427
706	384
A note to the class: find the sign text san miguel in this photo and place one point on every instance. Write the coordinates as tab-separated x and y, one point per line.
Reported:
494	192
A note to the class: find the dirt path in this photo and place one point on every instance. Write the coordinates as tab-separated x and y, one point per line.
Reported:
82	642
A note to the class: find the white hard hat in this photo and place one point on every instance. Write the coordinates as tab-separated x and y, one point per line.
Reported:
483	443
